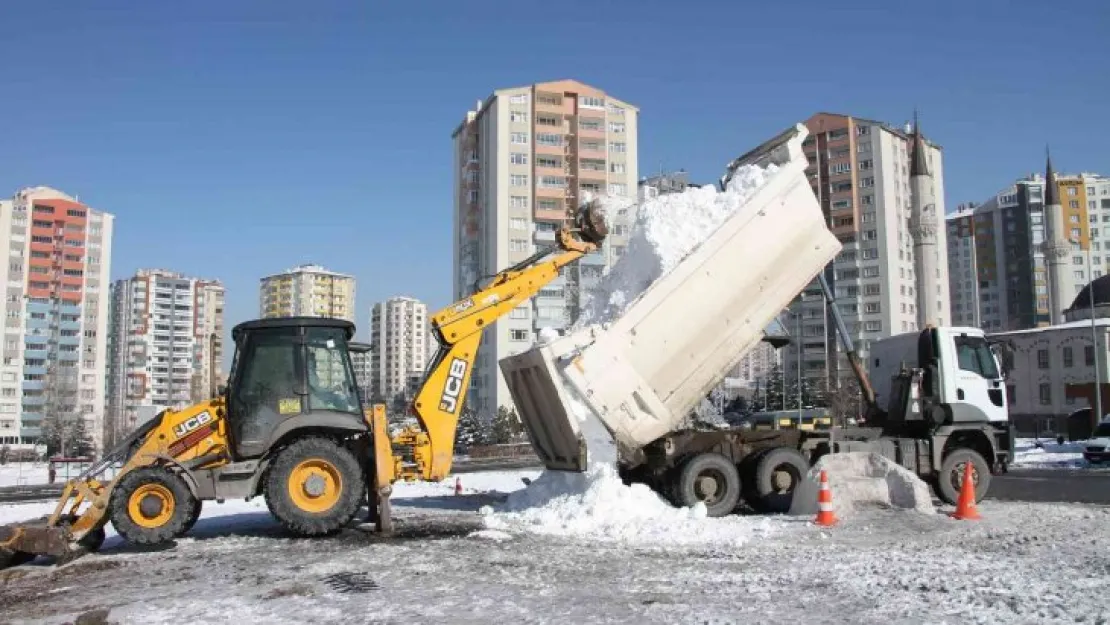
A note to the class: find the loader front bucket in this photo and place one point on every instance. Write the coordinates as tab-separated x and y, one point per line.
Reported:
23	542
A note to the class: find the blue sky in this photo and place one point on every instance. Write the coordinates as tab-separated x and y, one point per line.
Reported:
235	139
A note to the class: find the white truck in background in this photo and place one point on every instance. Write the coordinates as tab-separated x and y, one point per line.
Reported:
623	392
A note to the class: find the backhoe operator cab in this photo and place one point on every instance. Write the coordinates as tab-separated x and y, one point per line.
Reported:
289	374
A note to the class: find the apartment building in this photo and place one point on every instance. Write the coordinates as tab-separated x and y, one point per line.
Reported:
999	277
55	315
525	159
165	346
860	171
308	291
663	183
400	345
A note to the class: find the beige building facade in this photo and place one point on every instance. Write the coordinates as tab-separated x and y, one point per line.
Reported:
524	160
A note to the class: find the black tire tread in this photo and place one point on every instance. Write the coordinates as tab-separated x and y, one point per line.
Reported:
304	523
684	484
121	519
942	485
761	484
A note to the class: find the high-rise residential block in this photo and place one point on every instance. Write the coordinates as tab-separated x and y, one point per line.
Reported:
400	346
1000	278
308	291
55	317
525	159
165	348
860	171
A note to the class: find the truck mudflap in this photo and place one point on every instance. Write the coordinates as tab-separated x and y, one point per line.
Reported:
639	378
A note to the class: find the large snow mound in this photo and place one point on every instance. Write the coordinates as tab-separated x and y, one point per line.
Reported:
596	504
861	480
666	229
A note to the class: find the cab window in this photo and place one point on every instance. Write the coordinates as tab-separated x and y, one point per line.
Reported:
974	354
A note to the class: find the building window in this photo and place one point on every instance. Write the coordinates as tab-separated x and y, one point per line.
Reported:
618	147
840	168
1046	394
518	117
551	182
592	102
871	307
870	272
873	326
520	138
518	201
518	223
616	127
518	335
521	98
518	180
1073	203
518	245
866	164
616	168
1067	357
1089	355
618	189
518	158
1042	358
547	138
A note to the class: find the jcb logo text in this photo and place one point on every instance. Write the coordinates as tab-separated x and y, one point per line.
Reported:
449	400
191	424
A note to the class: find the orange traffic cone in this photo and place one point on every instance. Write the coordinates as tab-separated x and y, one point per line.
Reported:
825	514
965	506
458	485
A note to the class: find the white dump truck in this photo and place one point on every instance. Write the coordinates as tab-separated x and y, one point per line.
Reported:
622	392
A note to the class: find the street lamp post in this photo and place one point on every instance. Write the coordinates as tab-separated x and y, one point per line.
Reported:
1096	416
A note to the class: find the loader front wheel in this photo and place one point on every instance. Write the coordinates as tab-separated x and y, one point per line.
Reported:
151	506
314	487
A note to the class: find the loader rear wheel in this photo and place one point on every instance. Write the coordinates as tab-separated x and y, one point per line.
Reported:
314	487
711	479
193	516
151	506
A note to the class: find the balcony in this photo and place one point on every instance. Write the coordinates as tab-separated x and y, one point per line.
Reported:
34	354
30	432
33	385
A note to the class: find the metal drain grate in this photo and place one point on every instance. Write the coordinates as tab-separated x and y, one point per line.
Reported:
349	582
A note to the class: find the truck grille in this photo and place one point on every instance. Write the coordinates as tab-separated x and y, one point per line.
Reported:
1097	450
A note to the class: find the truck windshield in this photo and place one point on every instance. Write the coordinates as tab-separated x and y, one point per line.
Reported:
975	355
1103	430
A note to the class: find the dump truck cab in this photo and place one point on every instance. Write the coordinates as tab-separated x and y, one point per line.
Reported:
289	374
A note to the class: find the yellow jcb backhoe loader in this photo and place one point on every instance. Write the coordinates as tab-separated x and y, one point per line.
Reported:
290	427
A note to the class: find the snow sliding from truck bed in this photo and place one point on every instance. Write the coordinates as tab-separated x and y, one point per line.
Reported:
666	229
597	503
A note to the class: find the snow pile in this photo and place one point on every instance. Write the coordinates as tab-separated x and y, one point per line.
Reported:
1048	454
666	230
861	480
597	505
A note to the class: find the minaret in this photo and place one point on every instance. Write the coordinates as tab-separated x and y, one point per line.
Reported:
923	229
1056	247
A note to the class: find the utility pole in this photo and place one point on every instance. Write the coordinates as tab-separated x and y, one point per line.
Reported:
1096	416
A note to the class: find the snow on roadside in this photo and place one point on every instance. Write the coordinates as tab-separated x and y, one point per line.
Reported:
1050	454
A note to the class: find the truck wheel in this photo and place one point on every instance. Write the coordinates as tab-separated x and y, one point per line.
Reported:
747	480
150	505
314	487
711	479
777	474
950	478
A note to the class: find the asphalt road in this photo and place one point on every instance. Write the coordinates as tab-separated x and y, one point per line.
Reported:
1052	486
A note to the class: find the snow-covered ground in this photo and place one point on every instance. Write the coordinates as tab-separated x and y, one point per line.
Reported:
1023	563
1050	455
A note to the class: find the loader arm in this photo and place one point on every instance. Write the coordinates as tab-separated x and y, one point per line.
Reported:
458	330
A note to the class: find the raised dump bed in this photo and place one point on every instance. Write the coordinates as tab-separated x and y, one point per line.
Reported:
641	376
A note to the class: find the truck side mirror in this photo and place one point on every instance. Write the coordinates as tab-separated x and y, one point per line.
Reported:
221	390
